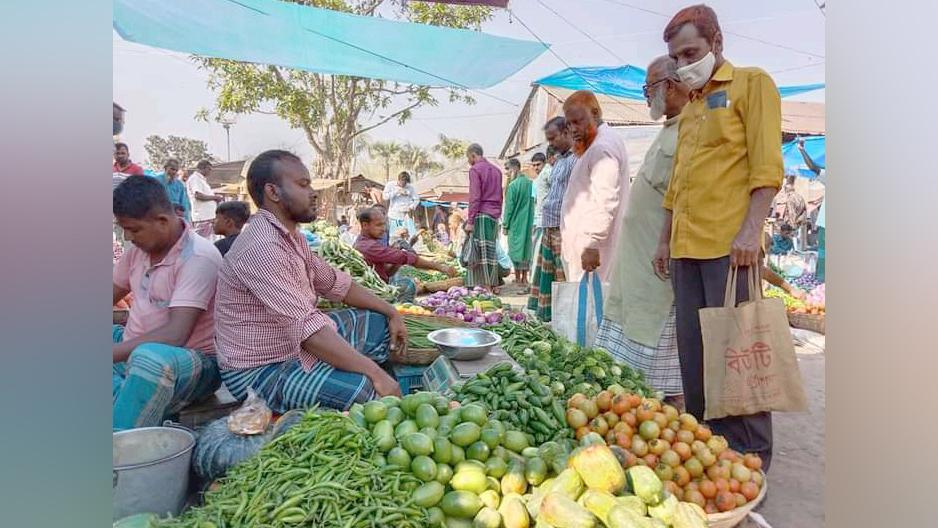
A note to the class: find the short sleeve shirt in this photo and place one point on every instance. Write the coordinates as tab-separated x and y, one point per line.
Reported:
186	277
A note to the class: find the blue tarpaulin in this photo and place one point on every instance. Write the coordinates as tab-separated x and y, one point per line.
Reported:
324	41
815	146
625	81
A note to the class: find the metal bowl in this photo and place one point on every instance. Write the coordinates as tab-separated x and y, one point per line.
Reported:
464	344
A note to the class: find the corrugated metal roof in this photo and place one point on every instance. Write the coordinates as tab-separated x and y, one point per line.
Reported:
452	180
545	102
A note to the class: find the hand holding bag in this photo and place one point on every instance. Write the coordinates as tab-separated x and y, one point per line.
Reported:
749	357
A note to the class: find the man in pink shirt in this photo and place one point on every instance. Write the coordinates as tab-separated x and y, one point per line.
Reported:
271	335
164	357
594	203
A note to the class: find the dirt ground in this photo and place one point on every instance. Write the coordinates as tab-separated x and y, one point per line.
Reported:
796	482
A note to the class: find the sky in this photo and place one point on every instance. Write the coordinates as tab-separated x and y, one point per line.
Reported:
162	90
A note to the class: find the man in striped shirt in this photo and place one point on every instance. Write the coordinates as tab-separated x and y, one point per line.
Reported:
548	266
270	336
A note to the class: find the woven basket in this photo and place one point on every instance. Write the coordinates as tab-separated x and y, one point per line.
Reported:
425	356
812	322
419	356
734	517
443	285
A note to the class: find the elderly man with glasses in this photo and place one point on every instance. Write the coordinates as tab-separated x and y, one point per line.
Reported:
639	320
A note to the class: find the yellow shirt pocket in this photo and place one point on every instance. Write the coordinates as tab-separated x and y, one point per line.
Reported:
718	126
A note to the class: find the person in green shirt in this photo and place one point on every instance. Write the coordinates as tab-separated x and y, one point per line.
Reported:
518	220
639	315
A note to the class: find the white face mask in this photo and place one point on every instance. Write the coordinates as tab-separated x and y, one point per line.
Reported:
697	74
658	103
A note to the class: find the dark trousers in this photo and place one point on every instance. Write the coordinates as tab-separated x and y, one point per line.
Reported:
702	284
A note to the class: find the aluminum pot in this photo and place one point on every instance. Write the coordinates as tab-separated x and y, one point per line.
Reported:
151	470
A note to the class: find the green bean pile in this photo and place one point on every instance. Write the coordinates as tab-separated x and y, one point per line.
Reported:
321	472
419	327
348	259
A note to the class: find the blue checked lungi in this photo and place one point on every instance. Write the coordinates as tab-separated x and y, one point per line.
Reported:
285	386
394	224
660	364
157	381
406	288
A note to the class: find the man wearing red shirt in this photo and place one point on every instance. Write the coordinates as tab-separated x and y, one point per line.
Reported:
387	260
122	163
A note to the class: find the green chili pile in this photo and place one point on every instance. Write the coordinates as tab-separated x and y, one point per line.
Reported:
322	472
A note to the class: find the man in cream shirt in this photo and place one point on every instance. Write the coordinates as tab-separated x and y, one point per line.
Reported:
204	200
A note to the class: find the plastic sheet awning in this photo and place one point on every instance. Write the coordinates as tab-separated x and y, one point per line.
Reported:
324	41
626	81
489	3
815	146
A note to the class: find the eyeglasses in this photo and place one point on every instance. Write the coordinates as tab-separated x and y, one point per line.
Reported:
647	87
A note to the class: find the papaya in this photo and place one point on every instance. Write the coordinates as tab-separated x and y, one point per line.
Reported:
567	483
487	518
689	515
513	512
469	480
513	481
622	517
664	510
535	471
633	503
490	498
645	484
598	503
562	512
599	468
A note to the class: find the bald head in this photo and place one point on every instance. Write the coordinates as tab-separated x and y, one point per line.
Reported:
584	99
583	115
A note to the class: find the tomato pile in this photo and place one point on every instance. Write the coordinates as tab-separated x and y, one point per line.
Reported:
695	465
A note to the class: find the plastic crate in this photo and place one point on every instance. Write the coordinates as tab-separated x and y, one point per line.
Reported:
410	377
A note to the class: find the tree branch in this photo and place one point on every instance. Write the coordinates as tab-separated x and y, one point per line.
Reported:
386	119
371	9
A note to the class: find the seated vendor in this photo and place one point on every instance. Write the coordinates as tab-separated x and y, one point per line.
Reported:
270	335
782	243
164	358
774	278
387	260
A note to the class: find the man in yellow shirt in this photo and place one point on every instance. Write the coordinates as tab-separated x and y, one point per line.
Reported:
727	169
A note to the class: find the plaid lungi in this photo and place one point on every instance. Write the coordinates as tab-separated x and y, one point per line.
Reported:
549	269
483	260
157	381
286	386
660	364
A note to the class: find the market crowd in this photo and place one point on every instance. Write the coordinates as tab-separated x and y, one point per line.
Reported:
244	312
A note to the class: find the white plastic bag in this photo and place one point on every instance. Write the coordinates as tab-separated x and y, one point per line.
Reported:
577	308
